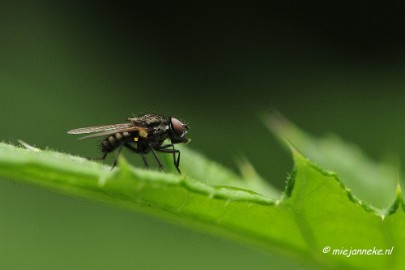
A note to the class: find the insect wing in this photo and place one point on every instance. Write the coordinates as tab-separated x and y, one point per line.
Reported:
100	128
109	132
99	131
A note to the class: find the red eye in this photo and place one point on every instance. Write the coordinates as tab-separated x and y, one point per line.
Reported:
178	127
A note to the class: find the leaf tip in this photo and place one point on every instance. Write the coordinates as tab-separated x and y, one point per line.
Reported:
277	123
399	201
28	146
246	168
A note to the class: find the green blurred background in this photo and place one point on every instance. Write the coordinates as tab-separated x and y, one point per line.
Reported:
330	67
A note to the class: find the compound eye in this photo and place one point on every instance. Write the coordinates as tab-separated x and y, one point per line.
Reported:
178	127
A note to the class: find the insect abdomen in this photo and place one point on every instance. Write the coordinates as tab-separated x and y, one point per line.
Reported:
113	141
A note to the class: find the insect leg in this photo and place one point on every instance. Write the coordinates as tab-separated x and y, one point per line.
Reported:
135	150
144	160
156	157
116	157
166	149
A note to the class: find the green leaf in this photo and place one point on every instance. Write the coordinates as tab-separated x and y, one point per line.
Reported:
198	167
373	182
315	212
329	215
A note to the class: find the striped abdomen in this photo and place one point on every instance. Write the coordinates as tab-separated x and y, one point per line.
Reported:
113	141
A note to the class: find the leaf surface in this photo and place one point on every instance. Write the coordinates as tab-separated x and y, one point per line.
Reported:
316	220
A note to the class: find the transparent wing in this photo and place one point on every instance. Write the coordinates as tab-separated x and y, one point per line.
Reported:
99	131
100	128
109	132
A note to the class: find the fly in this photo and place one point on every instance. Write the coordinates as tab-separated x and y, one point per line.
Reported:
141	135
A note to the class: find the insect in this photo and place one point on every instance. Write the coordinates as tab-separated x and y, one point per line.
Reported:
141	135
